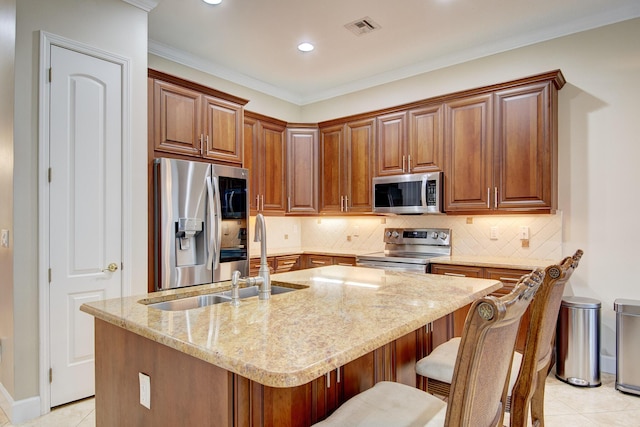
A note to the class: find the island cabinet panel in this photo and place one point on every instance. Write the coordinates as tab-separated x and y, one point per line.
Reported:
185	391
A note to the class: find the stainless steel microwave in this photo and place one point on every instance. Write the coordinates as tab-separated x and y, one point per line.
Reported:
419	193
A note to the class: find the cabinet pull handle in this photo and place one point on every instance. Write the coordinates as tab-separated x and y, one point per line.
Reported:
346	203
289	204
288	262
455	274
488	198
495	197
329	379
346	264
409	163
262	202
338	375
317	262
258	202
403	164
341	203
509	279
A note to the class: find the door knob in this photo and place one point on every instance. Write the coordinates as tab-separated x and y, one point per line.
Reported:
111	268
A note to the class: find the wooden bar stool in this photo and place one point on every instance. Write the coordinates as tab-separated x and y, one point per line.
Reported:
526	386
480	374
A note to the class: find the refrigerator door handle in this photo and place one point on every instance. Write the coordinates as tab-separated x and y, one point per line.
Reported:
210	199
217	201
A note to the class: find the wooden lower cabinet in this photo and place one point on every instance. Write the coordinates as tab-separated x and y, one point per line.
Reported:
188	391
509	277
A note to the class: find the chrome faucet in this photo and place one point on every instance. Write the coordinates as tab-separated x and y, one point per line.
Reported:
261	236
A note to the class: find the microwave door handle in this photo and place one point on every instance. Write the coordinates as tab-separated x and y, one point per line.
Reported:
424	191
218	230
211	244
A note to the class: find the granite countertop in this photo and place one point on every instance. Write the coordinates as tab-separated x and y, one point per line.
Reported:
494	262
339	314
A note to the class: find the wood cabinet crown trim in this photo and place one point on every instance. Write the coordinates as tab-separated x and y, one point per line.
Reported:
159	75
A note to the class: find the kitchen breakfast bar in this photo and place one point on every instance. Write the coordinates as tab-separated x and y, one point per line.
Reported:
287	361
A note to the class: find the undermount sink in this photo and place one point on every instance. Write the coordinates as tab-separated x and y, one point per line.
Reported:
198	301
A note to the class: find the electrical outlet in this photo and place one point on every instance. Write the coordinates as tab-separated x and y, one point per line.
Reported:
525	243
348	238
145	390
286	237
469	220
493	235
4	238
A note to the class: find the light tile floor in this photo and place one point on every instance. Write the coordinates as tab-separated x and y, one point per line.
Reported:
565	406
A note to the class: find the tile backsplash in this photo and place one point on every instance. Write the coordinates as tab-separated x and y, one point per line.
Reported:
470	235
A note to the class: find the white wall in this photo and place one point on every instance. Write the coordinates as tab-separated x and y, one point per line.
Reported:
110	25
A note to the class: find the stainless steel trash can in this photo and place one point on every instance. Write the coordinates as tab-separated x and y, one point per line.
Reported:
627	345
578	342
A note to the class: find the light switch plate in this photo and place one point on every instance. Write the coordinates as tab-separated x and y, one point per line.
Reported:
493	235
4	238
145	390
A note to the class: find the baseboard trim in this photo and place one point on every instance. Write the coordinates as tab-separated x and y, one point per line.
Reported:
608	364
19	411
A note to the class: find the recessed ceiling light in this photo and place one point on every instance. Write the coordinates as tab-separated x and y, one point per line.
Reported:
305	47
212	1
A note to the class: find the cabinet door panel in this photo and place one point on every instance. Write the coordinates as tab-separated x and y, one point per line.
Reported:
176	116
302	149
222	127
273	158
360	136
426	139
468	143
331	168
392	158
523	146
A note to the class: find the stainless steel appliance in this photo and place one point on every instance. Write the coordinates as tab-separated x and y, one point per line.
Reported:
419	193
201	220
409	249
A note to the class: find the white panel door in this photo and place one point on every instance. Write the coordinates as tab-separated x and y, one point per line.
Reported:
85	211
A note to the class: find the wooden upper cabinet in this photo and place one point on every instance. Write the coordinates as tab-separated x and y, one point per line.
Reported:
222	130
302	170
425	147
525	175
346	167
176	119
469	153
192	120
332	168
410	141
501	148
265	148
359	162
392	144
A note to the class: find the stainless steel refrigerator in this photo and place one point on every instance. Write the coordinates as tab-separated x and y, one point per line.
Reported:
201	220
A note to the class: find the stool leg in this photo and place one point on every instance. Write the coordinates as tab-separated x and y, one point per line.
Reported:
537	401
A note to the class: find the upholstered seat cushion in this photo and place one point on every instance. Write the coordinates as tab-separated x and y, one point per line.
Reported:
438	365
389	404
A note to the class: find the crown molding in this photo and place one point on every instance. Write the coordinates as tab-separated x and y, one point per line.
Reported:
146	5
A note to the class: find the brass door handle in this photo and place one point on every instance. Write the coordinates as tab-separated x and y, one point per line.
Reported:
111	268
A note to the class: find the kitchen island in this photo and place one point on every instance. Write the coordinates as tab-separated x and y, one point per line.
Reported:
286	361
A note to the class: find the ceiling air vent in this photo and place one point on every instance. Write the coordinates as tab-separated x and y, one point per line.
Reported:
362	26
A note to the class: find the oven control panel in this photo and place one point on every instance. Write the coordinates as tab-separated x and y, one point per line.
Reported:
418	236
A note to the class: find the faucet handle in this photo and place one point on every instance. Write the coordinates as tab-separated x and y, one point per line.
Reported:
235	288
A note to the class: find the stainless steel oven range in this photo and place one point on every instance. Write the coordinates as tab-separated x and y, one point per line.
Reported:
409	249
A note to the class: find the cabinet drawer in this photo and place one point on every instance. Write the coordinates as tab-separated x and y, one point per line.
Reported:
287	263
319	260
457	270
344	260
508	278
254	265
